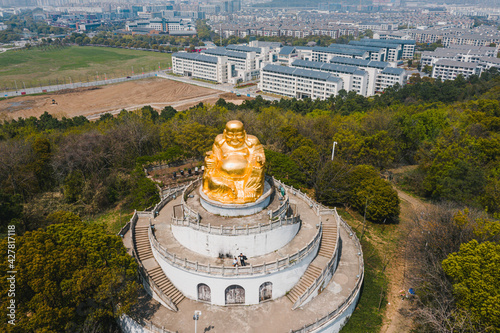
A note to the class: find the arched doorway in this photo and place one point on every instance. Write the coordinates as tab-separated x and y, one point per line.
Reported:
265	291
235	295
204	293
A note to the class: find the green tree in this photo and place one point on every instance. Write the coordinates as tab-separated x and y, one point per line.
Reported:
70	276
475	274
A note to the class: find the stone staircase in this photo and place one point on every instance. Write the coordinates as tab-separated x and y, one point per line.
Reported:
165	285
328	240
305	281
328	243
144	252
142	246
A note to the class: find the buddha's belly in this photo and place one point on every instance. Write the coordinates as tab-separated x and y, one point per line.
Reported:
234	166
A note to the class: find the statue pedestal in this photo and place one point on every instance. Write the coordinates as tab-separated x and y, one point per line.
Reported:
251	208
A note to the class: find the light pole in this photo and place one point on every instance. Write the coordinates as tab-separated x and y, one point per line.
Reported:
196	316
333	150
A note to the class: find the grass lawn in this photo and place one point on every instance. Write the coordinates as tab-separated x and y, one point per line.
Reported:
369	312
80	63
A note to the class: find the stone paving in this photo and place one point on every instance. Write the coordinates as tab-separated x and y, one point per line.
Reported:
269	317
306	234
272	316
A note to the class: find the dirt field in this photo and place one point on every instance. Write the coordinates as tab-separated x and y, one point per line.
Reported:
92	102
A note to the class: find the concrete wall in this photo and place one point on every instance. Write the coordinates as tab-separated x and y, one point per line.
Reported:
187	281
337	323
250	245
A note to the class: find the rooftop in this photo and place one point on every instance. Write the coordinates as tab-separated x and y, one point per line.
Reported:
359	62
222	51
324	66
446	62
195	56
307	73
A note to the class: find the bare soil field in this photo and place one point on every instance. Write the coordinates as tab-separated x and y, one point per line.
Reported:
92	102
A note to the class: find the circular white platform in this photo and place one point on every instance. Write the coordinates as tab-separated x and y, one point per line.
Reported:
251	208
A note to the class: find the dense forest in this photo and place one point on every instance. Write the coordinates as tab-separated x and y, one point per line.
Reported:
58	175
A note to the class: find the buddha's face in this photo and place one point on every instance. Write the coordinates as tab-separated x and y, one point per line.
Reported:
234	133
235	137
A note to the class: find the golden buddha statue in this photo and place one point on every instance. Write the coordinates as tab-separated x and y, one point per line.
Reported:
234	169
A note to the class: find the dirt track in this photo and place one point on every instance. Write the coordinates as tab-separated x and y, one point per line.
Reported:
91	101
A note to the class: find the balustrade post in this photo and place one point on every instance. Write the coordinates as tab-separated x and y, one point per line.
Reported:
247	229
185	262
222	269
221	229
234	230
209	228
277	265
208	269
198	224
251	269
197	266
288	260
259	228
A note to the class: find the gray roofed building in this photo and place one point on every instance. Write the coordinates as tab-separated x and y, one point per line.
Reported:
244	48
195	56
301	72
392	70
359	62
341	50
286	50
328	67
221	51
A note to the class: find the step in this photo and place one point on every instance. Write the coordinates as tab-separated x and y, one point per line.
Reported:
159	279
178	299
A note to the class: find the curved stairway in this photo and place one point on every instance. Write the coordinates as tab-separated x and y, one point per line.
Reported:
326	250
155	273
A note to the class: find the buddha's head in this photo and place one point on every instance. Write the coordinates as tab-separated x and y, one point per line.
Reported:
234	133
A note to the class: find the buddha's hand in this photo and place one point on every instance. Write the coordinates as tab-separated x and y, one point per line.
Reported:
210	160
258	162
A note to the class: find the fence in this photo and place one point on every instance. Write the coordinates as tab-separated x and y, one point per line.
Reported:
73	85
236	230
352	296
329	267
272	267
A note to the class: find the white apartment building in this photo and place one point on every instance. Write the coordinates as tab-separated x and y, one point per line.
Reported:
450	69
354	79
373	68
324	54
464	55
298	82
245	65
201	66
486	63
388	77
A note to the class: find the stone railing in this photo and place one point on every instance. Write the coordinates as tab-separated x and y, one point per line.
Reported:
168	191
155	329
143	274
279	264
329	267
126	227
352	296
236	230
317	207
189	213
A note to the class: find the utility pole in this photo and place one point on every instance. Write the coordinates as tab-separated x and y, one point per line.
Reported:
196	316
333	150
